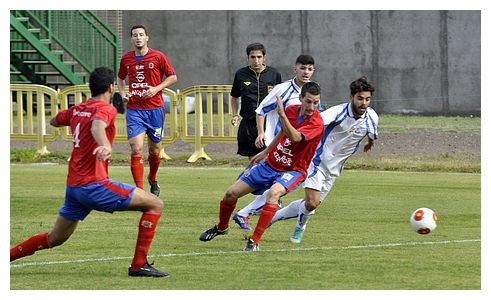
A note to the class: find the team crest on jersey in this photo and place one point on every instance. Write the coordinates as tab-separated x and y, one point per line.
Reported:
247	83
270	88
150	65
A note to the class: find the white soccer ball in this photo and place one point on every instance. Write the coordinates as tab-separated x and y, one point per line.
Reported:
423	220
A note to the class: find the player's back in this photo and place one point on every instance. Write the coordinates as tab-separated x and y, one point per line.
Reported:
83	166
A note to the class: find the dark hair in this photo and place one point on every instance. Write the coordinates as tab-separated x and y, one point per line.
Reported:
136	27
311	88
100	79
304	59
255	46
361	85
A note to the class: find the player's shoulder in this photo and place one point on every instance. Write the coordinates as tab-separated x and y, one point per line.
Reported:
156	52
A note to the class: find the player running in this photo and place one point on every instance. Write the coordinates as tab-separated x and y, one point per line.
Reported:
88	186
145	69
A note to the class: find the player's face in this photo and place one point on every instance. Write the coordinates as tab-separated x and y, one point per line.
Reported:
256	60
360	102
309	105
303	73
138	38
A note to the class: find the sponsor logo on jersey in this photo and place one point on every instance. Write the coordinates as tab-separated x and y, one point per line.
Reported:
248	83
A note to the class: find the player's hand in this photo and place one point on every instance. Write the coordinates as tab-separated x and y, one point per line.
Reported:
150	92
368	145
235	120
258	158
260	140
126	97
279	104
102	152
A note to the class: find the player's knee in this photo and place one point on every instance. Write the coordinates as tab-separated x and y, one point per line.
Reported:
312	204
157	205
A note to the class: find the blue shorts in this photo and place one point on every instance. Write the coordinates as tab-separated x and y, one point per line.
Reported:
106	196
150	121
261	177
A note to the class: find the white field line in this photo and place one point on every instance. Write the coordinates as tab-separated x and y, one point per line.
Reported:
211	253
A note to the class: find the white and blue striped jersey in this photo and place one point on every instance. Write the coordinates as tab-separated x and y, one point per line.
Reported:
342	137
289	92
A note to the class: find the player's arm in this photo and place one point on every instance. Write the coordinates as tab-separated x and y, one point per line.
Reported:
121	88
153	90
291	132
98	130
263	154
260	131
368	145
235	111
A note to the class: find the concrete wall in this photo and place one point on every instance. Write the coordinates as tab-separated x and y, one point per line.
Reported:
425	62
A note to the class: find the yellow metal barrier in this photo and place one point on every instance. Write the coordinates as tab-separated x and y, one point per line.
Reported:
210	122
29	105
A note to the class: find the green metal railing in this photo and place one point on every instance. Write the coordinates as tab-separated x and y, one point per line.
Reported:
87	40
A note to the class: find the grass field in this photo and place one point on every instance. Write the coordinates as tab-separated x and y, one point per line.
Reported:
360	239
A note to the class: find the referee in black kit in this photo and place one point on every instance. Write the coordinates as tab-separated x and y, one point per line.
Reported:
251	85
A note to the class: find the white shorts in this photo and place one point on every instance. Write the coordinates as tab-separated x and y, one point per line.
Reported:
320	181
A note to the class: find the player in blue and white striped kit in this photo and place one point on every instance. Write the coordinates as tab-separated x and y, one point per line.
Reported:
289	92
346	126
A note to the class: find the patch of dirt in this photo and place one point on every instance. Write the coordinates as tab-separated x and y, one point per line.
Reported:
421	142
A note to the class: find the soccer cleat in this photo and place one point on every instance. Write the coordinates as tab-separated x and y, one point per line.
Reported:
251	246
280	203
212	233
297	235
147	271
154	187
242	222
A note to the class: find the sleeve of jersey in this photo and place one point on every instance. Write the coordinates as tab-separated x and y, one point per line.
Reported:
122	69
63	117
312	129
167	67
329	115
235	92
269	102
372	124
107	114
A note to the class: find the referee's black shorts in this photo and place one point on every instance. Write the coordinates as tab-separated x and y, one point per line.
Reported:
246	137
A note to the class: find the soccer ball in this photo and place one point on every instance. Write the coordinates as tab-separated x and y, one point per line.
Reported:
423	220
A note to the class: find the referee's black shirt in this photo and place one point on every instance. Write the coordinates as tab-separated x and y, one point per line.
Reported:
252	87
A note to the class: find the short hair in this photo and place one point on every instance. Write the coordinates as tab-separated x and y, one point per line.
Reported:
310	87
100	80
255	46
136	27
361	85
304	59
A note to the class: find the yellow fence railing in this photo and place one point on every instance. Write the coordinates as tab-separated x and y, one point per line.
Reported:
32	106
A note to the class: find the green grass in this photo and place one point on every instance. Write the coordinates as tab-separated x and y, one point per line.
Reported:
403	123
360	239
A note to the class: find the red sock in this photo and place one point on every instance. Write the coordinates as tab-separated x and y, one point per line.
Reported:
265	218
154	163
226	209
29	246
137	170
146	232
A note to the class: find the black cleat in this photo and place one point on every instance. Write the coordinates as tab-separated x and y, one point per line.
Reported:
147	271
211	234
251	246
154	187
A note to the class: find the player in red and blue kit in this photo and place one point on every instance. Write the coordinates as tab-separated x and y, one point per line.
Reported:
149	72
287	160
88	186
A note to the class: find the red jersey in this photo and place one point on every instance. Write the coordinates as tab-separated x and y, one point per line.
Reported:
142	72
287	156
84	167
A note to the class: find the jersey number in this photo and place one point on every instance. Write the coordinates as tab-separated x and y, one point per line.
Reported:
75	136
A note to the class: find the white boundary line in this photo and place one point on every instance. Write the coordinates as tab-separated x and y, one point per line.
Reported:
354	247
